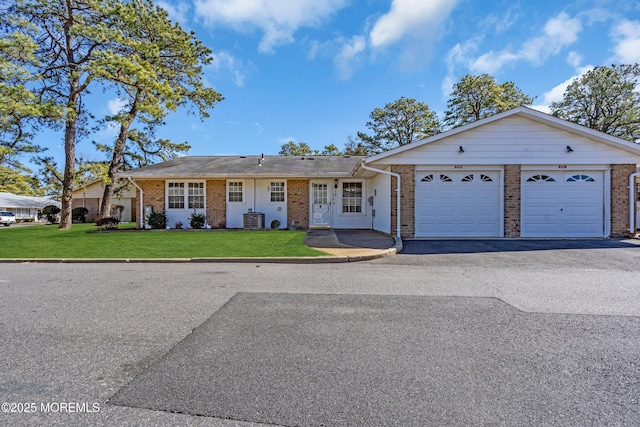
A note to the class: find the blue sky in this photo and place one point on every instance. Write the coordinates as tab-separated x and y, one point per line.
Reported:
313	70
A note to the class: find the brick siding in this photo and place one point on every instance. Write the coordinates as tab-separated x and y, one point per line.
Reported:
407	200
512	191
153	196
620	199
216	203
298	203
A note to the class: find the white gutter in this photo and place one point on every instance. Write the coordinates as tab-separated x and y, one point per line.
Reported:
141	201
632	201
397	191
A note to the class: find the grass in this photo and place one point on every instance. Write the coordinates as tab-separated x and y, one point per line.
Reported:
47	241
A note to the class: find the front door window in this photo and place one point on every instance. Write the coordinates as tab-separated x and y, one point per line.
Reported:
320	212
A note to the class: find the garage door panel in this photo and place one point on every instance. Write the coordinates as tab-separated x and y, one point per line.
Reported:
457	204
567	204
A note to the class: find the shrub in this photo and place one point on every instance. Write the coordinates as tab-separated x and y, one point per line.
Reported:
51	212
109	223
178	225
157	220
275	224
197	220
116	211
78	214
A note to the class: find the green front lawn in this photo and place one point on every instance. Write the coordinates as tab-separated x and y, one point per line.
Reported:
46	241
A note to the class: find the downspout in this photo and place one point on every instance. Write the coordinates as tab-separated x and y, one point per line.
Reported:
141	202
632	202
397	191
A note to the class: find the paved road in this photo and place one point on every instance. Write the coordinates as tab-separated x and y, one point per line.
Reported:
560	325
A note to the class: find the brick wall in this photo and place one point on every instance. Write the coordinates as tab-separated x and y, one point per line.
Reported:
153	196
298	203
620	199
216	203
512	189
92	205
407	200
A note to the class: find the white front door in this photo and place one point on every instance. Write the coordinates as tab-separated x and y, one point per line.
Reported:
320	204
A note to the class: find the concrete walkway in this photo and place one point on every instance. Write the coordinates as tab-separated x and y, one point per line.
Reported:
356	245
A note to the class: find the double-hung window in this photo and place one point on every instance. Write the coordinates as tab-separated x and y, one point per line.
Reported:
352	197
276	192
196	195
235	191
185	195
175	191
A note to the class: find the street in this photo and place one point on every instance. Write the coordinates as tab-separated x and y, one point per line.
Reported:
528	337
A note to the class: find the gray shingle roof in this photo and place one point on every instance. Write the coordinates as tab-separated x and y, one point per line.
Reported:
10	200
249	166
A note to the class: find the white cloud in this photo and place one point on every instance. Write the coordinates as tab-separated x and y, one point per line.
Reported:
574	59
277	19
493	61
238	69
627	37
287	139
409	17
556	93
177	11
116	105
447	86
348	56
558	33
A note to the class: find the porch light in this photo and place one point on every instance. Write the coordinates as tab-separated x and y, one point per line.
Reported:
569	149
461	150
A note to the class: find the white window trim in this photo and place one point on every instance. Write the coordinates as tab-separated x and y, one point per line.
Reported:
244	191
364	198
285	192
186	195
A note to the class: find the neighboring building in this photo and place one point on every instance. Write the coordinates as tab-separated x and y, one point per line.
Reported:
90	195
25	208
521	173
309	191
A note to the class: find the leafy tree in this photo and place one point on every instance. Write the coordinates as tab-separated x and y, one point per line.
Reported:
328	150
156	68
399	123
69	34
20	113
606	99
478	97
293	149
19	182
355	147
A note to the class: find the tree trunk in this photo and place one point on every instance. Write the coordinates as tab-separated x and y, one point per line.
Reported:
70	158
116	159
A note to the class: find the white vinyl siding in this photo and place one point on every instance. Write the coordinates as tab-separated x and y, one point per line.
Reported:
512	140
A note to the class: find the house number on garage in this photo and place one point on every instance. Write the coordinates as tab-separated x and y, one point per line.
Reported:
562	166
457	166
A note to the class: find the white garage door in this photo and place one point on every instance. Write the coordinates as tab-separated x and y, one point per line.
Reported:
457	204
562	204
